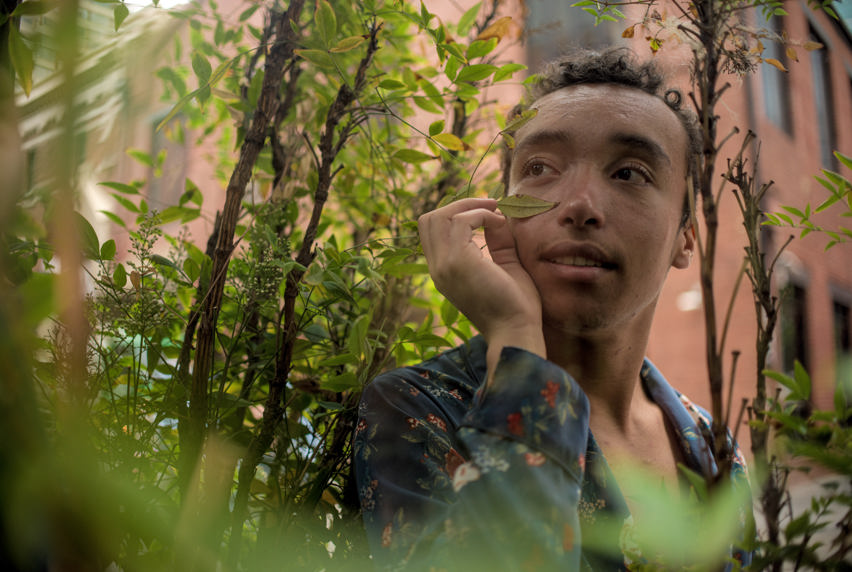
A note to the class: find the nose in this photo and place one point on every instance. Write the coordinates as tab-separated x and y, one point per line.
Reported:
580	201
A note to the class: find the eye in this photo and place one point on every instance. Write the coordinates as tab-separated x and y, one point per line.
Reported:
535	168
633	174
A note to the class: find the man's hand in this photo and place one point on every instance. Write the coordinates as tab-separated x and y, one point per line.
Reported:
497	295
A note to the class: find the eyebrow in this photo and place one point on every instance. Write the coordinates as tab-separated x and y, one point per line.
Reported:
632	141
640	143
544	137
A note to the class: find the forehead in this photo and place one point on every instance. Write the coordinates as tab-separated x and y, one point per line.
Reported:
583	111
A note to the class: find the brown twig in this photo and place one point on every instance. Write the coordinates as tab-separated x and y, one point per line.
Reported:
331	142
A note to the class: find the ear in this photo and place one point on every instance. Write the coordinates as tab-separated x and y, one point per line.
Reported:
684	247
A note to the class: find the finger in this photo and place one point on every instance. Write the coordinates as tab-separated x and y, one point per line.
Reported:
501	243
454	228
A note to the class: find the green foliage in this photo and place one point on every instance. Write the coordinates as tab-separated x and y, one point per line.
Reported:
324	287
808	439
840	198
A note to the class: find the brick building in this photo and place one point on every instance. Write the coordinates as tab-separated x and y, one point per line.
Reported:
800	118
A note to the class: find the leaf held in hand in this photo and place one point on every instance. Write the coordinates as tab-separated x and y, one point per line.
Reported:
523	206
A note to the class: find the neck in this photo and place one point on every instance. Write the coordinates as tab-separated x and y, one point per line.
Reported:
606	365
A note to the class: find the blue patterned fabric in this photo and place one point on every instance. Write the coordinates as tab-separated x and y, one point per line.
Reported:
452	476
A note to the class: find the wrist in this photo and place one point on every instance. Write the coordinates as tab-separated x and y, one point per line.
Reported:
529	339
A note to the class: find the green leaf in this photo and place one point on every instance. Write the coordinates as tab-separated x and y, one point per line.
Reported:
797	526
506	71
427	104
340	359
412	156
163	261
320	58
214	78
121	187
22	59
141	157
119	14
152	356
436	127
475	72
347	44
451	69
37	298
480	48
88	237
33	8
785	218
521	120
847	161
114	218
342	382
326	21
192	269
467	20
828	202
108	250
248	12
795	211
696	481
125	203
454	50
803	380
433	93
173	213
391	84
835	178
523	206
788	382
202	68
826	184
449	313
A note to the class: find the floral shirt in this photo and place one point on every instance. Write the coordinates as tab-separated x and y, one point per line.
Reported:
454	477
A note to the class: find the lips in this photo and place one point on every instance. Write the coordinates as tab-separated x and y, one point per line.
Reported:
578	255
577	261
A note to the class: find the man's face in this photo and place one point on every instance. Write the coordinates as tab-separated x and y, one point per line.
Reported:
614	159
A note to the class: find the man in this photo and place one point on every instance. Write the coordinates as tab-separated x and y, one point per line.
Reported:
514	451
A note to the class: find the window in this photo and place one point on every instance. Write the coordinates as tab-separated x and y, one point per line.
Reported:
554	27
793	330
776	84
821	69
842	347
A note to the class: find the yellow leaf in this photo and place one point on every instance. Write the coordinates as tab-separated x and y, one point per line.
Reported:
775	63
450	141
791	53
496	30
136	279
628	33
811	46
